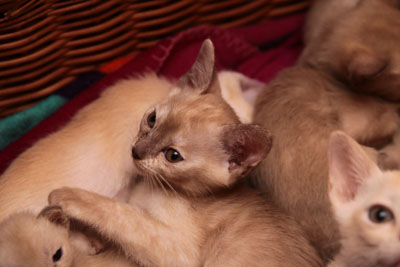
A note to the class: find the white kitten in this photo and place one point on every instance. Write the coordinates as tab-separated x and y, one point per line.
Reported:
366	203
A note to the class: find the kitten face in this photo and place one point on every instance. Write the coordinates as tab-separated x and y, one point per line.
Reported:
375	215
193	141
366	203
33	242
184	140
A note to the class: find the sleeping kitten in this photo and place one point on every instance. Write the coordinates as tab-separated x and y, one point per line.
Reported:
359	45
303	106
92	151
192	207
27	240
366	204
322	14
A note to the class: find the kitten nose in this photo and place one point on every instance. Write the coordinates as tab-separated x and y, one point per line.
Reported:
135	155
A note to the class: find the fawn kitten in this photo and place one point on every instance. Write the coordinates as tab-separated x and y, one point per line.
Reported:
45	240
192	207
359	45
303	106
92	150
366	204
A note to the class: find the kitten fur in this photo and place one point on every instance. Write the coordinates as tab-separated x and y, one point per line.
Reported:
389	156
195	209
342	41
358	188
27	240
90	152
93	150
322	14
303	106
240	92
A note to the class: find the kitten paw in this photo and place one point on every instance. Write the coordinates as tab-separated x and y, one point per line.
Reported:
72	201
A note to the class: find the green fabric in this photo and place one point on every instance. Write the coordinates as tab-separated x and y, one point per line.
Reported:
14	126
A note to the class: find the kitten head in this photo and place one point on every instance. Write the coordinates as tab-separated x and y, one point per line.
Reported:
193	141
35	241
362	48
366	203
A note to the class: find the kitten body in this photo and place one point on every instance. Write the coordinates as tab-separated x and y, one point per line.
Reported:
93	150
366	204
192	208
27	240
364	55
303	106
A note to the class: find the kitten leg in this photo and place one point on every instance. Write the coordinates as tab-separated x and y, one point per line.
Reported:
141	237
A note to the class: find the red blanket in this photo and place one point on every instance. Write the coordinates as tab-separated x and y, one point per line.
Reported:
259	51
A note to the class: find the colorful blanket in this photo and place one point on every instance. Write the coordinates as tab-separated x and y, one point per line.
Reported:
258	51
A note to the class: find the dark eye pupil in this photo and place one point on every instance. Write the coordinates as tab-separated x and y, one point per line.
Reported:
172	155
379	214
57	256
175	155
151	119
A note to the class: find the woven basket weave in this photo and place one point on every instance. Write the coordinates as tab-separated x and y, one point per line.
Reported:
45	44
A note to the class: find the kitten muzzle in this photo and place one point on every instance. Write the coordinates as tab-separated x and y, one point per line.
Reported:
135	155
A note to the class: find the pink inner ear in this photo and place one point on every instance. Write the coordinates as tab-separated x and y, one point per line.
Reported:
349	166
247	145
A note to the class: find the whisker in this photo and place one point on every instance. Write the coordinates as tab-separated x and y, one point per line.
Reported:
154	175
160	183
169	185
150	182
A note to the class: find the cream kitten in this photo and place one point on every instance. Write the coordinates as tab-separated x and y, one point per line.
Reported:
92	151
359	44
303	106
27	240
240	92
366	203
192	208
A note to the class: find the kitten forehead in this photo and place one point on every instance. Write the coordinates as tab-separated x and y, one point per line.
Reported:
383	186
202	108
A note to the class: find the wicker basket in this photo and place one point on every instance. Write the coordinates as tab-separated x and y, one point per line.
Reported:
45	44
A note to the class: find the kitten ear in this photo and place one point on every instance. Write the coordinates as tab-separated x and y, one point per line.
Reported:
202	77
55	215
349	167
246	145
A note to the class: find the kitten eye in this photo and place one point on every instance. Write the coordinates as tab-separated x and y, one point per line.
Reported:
172	155
57	256
151	119
380	214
